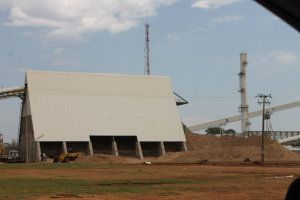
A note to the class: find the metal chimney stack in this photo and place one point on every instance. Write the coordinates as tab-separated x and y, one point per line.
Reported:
244	93
147	62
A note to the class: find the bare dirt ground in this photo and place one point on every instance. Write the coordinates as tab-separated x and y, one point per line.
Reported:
191	181
178	175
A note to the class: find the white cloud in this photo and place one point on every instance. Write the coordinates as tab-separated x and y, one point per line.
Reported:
68	21
58	50
177	36
191	121
283	56
9	69
202	29
65	62
228	18
268	19
3	59
266	74
211	4
27	33
284	71
5	4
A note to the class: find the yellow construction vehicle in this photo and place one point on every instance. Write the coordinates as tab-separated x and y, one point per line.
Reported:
2	151
65	158
12	157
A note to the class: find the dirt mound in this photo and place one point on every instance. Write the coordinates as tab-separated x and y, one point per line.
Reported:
228	148
101	158
211	148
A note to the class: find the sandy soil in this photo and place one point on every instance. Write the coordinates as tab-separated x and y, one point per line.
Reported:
212	148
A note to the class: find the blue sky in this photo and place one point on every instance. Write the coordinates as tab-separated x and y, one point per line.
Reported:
195	42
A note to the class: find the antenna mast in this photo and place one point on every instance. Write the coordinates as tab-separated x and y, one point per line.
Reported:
147	63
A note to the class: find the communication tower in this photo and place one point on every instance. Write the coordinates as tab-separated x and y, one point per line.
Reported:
147	62
244	93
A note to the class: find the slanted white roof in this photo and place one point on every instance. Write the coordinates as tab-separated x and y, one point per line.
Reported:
74	106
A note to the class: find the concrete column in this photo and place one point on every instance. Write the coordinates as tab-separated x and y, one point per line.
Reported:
114	148
64	147
38	151
138	150
162	150
90	148
183	146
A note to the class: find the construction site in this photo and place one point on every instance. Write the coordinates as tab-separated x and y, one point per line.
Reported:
133	116
116	136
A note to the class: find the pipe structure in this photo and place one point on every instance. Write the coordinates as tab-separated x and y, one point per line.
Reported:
289	139
238	117
244	93
12	92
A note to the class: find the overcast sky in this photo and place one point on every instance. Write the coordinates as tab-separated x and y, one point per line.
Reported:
195	42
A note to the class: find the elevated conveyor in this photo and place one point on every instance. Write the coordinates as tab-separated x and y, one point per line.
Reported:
12	92
289	139
238	117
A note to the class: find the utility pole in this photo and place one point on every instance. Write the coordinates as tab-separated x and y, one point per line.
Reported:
26	131
263	122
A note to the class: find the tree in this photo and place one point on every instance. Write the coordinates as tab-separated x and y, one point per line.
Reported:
230	132
214	131
217	130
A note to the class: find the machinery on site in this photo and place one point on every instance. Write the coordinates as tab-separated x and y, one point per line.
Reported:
12	157
65	158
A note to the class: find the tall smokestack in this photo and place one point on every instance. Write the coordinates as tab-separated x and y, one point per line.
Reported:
147	62
244	93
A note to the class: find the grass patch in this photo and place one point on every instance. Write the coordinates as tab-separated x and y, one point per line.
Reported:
187	177
210	181
141	181
59	166
167	193
47	166
261	197
132	172
28	187
118	165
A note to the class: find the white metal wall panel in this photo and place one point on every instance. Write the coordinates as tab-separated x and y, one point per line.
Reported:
72	106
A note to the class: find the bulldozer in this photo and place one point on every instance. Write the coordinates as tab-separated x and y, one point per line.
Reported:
65	158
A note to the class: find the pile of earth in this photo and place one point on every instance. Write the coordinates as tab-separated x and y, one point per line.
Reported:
101	158
211	148
229	148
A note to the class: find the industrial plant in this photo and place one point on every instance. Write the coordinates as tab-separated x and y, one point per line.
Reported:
98	113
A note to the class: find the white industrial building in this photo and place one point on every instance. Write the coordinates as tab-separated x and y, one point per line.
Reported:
99	113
